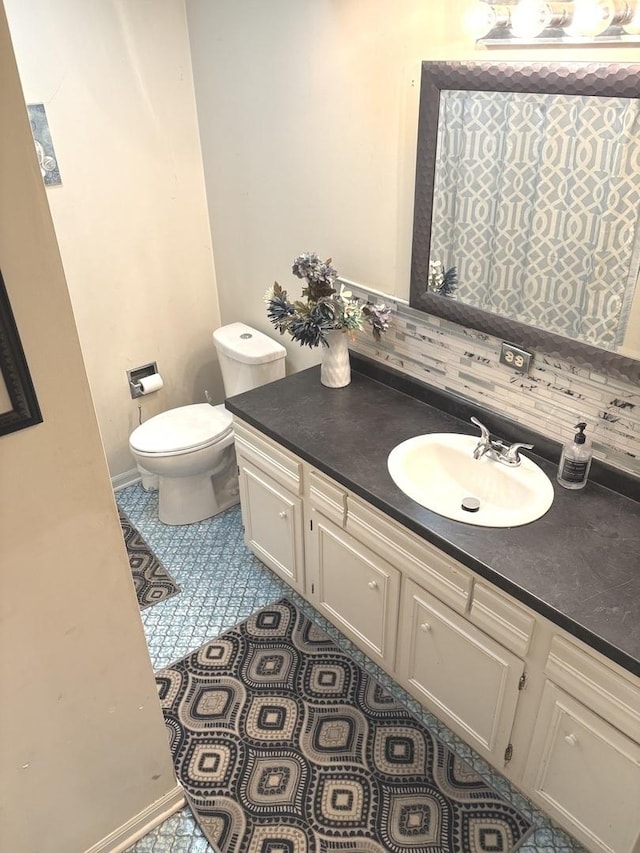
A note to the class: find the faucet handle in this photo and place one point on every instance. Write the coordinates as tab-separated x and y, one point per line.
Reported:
484	431
512	456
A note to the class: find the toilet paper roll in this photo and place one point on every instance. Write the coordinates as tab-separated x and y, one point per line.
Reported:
152	383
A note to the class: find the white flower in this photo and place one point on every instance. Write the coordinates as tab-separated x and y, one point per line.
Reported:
344	293
268	295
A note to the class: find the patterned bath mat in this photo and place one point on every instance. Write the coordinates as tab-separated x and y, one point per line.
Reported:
285	745
152	581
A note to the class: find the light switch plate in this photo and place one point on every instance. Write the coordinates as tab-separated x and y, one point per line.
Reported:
515	357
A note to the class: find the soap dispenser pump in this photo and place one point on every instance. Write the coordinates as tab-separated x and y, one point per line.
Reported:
575	461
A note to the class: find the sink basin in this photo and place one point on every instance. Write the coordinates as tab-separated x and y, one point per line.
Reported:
439	472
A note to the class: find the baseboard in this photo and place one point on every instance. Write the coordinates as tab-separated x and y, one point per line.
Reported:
127	478
130	832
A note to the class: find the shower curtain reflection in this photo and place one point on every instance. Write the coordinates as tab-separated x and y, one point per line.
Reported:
536	205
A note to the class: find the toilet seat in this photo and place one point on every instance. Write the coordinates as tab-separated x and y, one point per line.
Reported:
182	430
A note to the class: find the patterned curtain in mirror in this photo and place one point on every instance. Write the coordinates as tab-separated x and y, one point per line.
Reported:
537	205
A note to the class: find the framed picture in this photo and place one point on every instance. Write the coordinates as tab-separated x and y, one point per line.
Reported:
44	145
18	403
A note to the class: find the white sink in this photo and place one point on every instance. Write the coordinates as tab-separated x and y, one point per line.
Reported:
439	472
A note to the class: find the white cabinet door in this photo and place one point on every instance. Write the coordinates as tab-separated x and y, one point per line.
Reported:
585	773
272	519
354	588
463	676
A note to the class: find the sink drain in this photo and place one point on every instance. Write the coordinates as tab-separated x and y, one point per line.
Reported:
470	504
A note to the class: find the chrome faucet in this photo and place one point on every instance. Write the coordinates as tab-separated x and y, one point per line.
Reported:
495	448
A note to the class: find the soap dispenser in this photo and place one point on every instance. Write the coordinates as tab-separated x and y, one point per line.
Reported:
575	461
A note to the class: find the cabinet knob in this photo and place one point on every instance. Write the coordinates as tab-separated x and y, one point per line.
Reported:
572	740
282	514
373	585
425	626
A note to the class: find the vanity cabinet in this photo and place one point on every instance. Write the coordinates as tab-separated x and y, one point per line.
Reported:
354	588
583	766
462	675
559	720
585	773
271	503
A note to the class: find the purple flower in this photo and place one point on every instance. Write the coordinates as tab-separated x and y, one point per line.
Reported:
320	275
379	316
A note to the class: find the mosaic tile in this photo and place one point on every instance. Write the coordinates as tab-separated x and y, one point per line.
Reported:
465	362
223	583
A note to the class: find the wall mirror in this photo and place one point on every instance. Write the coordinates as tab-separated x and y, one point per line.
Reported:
18	403
528	186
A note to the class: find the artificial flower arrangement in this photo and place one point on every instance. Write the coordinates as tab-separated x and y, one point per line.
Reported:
442	282
322	308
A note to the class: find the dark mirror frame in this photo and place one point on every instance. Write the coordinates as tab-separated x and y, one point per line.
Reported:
14	371
622	81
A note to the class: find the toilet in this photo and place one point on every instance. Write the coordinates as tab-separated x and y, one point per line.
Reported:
190	449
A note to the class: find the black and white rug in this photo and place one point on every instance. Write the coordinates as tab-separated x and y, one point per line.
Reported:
152	581
285	745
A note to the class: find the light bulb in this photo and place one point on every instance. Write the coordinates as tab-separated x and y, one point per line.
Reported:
591	17
530	18
632	23
481	19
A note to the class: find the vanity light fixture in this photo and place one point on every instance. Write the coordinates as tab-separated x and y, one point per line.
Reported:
554	22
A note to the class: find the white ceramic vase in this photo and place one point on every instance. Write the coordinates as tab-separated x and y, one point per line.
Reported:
335	369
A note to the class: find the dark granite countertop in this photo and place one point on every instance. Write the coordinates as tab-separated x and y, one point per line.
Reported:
578	565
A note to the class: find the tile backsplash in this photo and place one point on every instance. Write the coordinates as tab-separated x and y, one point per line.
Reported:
550	399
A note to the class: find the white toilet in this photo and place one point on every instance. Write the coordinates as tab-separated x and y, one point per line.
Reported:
190	449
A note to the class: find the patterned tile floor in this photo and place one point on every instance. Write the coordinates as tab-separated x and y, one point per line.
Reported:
223	583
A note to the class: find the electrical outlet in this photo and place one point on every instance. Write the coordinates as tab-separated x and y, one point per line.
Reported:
515	357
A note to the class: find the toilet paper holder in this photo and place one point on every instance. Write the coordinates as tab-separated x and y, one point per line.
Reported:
134	376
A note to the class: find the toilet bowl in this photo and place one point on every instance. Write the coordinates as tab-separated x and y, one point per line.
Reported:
190	448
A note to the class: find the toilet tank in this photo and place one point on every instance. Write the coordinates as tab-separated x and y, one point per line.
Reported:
248	358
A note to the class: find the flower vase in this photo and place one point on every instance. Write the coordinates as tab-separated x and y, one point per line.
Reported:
335	369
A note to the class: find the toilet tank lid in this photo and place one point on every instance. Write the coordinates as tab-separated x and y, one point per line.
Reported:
242	343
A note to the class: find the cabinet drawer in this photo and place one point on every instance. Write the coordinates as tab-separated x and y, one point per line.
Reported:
585	773
327	497
506	621
417	559
284	467
610	694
